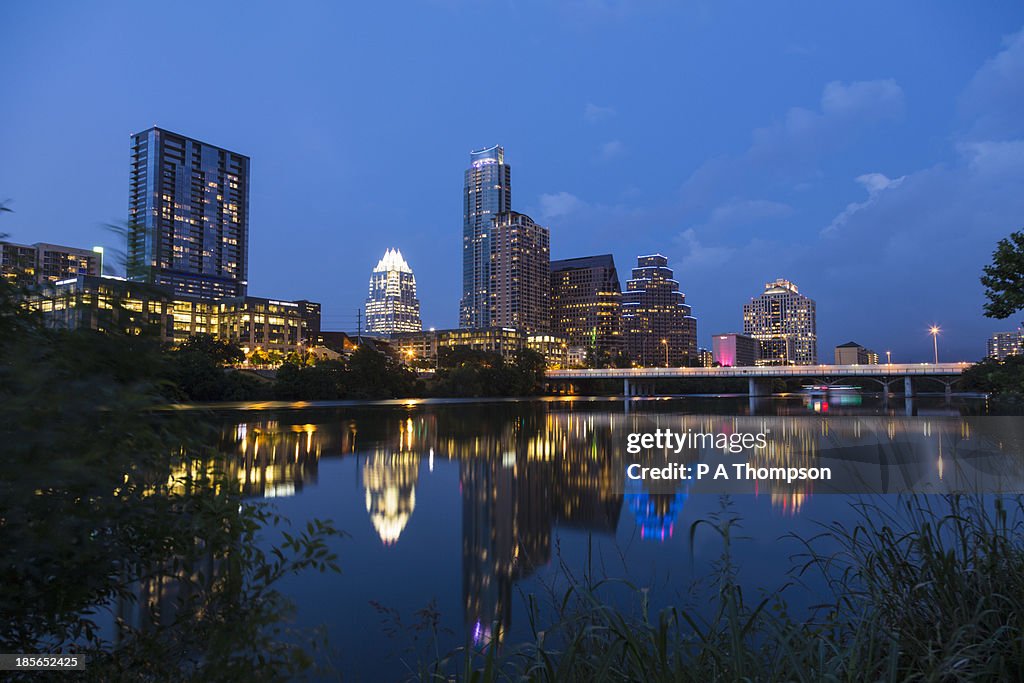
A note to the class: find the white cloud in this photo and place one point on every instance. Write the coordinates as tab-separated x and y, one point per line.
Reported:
918	240
788	151
864	100
593	113
740	212
735	213
805	134
559	204
875	184
993	102
700	257
612	149
994	157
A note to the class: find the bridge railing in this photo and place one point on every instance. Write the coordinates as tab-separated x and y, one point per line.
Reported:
808	371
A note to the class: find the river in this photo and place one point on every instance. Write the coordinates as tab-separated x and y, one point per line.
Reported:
455	511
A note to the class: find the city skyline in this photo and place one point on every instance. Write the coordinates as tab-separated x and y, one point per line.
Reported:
899	183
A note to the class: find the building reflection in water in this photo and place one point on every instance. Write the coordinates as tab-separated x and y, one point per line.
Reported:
273	459
390	483
266	459
655	513
527	470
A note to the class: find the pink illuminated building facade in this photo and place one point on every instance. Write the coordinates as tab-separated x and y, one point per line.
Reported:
734	350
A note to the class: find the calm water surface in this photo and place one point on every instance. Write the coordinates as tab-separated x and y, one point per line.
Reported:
463	507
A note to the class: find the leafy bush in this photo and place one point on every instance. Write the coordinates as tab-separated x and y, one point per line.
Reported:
109	507
931	589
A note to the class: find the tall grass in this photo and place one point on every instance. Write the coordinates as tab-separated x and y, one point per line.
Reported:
928	589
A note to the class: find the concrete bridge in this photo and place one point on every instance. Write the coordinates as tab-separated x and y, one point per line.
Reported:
641	381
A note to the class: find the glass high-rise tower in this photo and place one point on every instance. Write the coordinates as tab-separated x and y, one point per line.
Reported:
486	193
189	215
657	323
586	302
784	322
392	305
520	273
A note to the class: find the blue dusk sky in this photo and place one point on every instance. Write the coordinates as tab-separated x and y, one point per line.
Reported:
871	152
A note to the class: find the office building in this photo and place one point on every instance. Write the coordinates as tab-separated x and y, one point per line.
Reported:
554	349
18	264
424	346
734	350
520	286
657	324
586	302
1003	344
486	193
189	215
255	322
852	353
109	304
705	358
392	305
43	263
784	323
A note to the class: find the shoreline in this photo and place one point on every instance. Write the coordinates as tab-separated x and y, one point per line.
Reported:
441	400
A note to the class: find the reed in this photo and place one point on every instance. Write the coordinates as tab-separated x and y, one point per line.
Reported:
928	588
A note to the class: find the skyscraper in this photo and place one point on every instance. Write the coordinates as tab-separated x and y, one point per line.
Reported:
392	305
1003	344
656	320
520	273
486	193
785	323
189	215
586	302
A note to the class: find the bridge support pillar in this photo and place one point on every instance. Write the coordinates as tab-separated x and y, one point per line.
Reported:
908	386
626	388
759	387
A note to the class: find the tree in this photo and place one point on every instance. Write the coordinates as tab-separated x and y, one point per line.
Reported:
1004	278
373	374
995	376
529	366
597	358
220	351
103	498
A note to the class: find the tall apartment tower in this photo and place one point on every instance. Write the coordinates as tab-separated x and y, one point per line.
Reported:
1003	344
392	305
189	215
487	192
520	273
586	302
657	323
784	322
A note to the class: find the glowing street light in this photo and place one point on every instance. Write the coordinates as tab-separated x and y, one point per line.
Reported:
664	343
888	357
934	331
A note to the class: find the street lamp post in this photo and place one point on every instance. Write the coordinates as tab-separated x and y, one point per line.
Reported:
664	343
934	331
888	357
